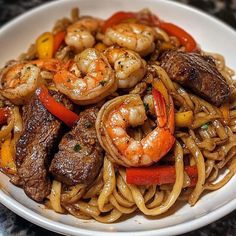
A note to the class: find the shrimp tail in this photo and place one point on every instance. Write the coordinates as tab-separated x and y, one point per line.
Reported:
160	108
171	118
168	131
165	124
52	65
168	141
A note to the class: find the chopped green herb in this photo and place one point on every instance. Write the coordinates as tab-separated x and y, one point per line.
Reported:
77	148
205	126
149	88
146	107
103	82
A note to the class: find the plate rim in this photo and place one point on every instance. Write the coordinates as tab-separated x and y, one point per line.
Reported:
62	228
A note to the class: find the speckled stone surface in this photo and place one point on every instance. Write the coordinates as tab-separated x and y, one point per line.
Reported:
13	225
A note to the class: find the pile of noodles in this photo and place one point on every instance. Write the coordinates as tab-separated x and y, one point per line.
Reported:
211	149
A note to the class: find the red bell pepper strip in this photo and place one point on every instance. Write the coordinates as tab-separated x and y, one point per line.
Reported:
185	38
56	108
4	114
158	175
117	18
58	40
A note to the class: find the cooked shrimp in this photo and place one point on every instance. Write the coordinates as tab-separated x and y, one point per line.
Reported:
89	23
128	65
80	34
88	80
136	37
19	81
79	39
125	111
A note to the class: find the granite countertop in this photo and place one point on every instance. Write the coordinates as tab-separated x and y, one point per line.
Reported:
11	224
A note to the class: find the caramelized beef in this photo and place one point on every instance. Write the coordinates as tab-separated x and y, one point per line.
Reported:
198	73
80	155
36	146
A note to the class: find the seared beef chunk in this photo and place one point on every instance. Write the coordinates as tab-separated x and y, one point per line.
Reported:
41	134
197	73
80	155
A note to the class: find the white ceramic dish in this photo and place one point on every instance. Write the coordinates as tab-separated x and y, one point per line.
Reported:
211	34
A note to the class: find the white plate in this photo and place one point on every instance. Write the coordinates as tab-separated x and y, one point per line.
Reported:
211	34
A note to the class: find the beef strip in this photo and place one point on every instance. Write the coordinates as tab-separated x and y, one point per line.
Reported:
198	73
80	155
41	135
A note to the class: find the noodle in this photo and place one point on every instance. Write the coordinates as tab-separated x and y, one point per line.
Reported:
122	209
96	188
165	78
77	213
109	183
124	189
158	199
225	180
185	96
55	197
74	194
150	193
113	216
121	200
199	159
214	174
201	120
87	208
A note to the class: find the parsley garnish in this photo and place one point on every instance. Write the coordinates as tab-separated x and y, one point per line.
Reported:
149	88
146	107
77	148
205	126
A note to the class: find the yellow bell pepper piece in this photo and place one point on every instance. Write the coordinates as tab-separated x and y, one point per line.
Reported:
158	85
7	160
184	119
225	112
5	131
44	45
